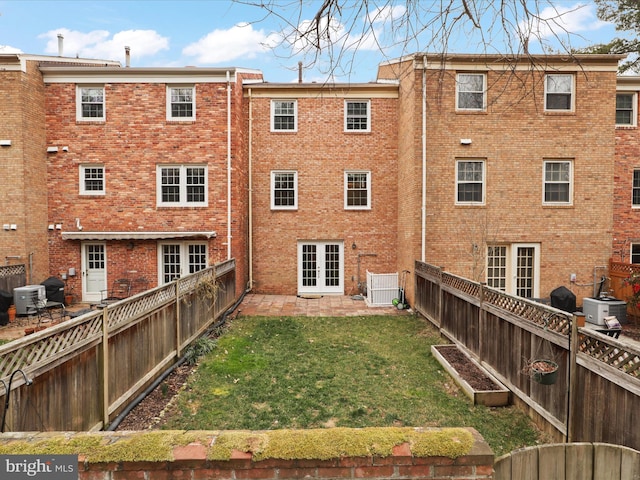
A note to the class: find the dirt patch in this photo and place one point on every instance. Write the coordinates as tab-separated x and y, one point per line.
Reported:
467	370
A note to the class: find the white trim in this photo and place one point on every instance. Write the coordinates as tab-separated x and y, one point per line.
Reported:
544	181
357	207
484	92
634	109
572	92
168	91
295	115
182	186
79	117
295	190
483	181
347	101
82	169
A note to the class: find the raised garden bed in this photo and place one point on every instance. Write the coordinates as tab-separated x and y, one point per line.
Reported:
476	382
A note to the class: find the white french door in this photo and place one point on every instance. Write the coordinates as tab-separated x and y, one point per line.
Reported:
514	268
320	267
94	271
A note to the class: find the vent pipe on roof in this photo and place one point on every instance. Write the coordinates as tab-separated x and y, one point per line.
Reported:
127	53
299	72
60	44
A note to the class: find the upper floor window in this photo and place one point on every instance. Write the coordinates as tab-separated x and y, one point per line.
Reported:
284	190
284	115
357	116
90	103
557	182
635	189
558	92
470	91
181	103
625	109
182	186
357	190
92	180
470	182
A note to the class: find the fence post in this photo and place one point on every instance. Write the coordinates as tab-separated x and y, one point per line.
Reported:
481	318
440	270
105	367
573	370
178	343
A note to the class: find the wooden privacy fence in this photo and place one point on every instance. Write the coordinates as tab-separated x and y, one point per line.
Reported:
597	395
86	370
12	276
573	461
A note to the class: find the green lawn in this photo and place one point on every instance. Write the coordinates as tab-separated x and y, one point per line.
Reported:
292	372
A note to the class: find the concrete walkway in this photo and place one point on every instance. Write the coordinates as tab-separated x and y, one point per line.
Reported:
321	306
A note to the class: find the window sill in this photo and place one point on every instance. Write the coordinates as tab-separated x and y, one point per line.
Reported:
626	127
560	113
471	112
90	122
557	205
180	122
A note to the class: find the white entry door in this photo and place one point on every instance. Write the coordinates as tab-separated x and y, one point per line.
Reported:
94	271
320	268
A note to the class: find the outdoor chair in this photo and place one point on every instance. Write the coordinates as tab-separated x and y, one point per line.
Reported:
43	309
120	290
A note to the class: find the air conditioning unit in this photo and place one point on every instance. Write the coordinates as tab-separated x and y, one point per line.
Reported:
595	309
23	297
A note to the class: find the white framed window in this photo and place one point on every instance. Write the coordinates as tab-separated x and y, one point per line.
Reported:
635	189
635	253
284	115
514	268
181	102
284	190
182	186
177	259
626	110
357	116
558	92
470	91
92	180
470	182
558	182
357	190
90	104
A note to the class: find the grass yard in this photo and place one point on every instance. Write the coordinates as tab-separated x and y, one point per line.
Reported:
311	372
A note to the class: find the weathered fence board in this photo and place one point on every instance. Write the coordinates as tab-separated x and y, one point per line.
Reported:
503	332
86	370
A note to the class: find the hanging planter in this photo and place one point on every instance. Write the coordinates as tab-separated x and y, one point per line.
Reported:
545	372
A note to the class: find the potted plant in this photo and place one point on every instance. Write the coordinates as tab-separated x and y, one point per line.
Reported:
542	371
68	295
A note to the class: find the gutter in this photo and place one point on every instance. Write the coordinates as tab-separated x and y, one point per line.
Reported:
424	160
228	167
250	155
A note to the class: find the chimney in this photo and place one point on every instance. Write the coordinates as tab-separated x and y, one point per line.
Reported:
299	72
60	44
127	52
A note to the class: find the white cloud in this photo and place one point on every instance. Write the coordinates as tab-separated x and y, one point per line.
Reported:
558	21
9	49
99	43
239	41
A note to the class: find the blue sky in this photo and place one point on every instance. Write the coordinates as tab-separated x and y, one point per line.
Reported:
222	33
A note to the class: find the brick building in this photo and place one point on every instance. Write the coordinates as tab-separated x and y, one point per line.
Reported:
511	161
324	163
505	170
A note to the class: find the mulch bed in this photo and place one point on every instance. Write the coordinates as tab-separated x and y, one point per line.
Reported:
468	370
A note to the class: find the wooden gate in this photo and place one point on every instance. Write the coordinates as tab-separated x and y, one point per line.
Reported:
570	461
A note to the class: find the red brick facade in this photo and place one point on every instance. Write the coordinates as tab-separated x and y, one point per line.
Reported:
409	155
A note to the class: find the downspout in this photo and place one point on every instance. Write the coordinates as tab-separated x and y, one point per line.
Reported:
424	159
250	154
228	167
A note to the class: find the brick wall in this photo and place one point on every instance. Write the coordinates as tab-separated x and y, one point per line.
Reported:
194	460
513	136
23	171
134	139
320	151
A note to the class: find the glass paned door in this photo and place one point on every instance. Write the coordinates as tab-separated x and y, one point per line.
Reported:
320	268
94	272
525	258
